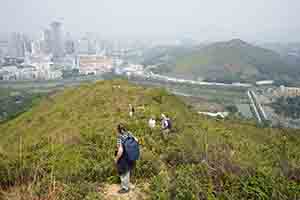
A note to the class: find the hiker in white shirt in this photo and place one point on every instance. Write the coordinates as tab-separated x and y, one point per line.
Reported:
131	110
152	122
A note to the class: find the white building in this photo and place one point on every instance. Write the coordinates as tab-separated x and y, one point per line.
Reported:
134	68
287	91
36	48
117	62
68	62
83	46
4	47
55	75
265	82
27	73
38	67
10	69
6	76
44	69
8	73
94	64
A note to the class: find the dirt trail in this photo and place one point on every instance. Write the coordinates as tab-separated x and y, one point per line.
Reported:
110	192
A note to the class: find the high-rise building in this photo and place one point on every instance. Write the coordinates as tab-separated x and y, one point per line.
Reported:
57	44
92	46
36	47
88	45
92	42
69	45
27	45
83	46
47	41
4	46
16	45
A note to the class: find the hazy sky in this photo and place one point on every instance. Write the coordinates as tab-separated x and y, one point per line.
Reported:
269	20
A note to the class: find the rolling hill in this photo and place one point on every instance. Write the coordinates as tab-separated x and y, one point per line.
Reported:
63	149
234	60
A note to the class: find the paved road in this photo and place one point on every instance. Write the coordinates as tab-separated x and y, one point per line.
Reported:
258	109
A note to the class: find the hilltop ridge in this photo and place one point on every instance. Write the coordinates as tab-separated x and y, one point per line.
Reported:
64	147
232	60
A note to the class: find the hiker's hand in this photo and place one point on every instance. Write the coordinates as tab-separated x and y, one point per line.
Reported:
116	161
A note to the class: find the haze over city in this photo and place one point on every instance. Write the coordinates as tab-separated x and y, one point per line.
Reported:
264	21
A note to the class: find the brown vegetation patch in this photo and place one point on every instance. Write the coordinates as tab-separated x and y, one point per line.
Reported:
294	174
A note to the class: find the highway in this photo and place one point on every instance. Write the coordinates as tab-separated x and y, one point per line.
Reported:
259	112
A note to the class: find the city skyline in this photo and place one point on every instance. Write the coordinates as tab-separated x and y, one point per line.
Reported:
271	20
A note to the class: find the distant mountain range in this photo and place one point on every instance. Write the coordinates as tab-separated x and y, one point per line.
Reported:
284	49
229	61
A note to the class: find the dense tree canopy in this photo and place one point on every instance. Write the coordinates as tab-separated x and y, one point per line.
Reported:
289	107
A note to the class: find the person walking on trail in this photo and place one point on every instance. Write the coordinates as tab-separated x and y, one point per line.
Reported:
126	155
165	124
131	110
152	122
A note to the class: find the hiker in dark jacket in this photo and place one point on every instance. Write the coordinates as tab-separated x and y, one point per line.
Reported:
124	166
165	125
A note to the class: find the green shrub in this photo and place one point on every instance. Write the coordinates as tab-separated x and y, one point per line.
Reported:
82	190
188	148
258	186
160	186
9	174
148	166
191	182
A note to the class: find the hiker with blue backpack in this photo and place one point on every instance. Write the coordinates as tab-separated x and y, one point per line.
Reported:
126	155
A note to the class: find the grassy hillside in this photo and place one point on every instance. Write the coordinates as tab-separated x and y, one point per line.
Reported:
63	149
14	102
234	60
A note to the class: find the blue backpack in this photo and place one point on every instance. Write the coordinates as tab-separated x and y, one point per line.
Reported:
132	148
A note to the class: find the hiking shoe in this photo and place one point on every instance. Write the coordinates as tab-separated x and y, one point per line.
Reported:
123	191
132	186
